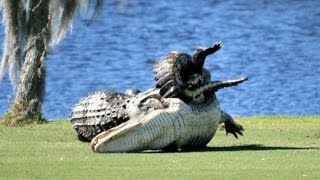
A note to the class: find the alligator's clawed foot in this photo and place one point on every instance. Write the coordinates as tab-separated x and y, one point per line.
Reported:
204	52
231	126
214	48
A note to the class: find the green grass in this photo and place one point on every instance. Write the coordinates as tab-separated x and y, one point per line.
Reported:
271	148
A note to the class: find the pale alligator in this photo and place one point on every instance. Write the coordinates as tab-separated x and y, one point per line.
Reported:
181	112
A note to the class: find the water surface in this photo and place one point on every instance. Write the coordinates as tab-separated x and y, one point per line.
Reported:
276	44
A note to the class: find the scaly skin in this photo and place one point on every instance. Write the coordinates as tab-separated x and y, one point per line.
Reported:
182	112
180	125
103	110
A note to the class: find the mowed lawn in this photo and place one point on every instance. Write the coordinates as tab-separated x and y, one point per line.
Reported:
271	148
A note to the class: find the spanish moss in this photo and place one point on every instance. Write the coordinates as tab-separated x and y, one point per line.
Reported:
11	58
17	12
30	27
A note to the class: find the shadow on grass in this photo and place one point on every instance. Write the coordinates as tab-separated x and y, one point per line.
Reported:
249	147
254	147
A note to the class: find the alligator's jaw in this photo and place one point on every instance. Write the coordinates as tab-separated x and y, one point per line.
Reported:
197	94
98	144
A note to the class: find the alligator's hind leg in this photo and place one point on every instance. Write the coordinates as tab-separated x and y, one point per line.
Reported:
230	125
82	138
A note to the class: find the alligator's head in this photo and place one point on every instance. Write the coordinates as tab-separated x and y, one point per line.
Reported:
197	94
182	76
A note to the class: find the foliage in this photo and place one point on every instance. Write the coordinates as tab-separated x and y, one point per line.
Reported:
15	17
271	148
30	26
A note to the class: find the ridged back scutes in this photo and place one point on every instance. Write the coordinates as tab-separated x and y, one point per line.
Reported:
99	111
171	68
104	110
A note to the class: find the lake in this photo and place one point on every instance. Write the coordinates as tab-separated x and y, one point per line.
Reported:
275	43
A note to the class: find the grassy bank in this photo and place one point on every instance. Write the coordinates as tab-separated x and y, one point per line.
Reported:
272	147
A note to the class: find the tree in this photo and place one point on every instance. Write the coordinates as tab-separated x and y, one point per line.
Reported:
30	27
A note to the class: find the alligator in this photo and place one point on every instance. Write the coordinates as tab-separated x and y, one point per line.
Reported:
181	112
103	110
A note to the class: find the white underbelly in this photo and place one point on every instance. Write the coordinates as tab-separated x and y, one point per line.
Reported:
199	127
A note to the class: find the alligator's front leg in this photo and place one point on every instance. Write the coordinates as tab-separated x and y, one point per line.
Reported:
155	130
230	125
200	55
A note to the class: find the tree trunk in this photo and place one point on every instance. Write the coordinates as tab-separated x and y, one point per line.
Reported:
31	87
